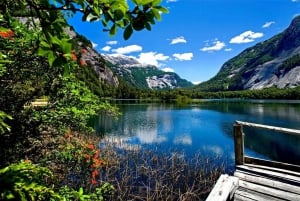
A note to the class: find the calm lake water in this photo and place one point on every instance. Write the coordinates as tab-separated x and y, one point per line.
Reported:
206	127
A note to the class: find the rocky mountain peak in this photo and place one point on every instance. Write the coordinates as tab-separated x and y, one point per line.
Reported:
144	76
272	63
291	36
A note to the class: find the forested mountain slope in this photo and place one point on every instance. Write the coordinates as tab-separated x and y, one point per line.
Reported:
271	63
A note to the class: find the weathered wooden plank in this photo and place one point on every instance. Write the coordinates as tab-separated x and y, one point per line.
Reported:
223	188
267	173
238	144
249	195
275	164
274	128
269	191
275	169
246	176
238	197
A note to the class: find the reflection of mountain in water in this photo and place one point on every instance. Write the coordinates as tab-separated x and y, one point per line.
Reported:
208	127
145	116
280	114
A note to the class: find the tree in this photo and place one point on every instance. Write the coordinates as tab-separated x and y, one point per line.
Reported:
47	16
114	14
37	57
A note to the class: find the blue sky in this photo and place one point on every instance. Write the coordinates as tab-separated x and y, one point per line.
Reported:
197	36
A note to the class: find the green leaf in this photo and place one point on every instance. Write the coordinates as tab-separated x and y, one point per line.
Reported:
113	30
80	191
66	46
128	32
104	23
148	26
145	2
156	14
118	14
51	58
156	2
162	9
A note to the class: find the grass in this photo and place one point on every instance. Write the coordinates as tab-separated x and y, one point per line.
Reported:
147	174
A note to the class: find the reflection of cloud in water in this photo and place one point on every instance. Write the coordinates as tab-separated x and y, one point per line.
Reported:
149	136
183	139
214	149
122	143
167	122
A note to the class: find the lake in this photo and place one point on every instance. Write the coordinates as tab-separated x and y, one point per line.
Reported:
205	127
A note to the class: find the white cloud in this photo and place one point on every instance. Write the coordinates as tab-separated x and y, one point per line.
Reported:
152	58
268	24
168	70
184	139
184	56
196	82
169	1
228	49
214	149
112	42
106	48
94	45
295	0
217	45
128	49
246	37
179	39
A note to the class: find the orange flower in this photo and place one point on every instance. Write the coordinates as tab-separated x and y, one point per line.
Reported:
96	154
82	62
90	146
83	51
97	162
7	34
94	174
73	56
93	181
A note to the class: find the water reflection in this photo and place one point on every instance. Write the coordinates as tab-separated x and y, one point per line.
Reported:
206	127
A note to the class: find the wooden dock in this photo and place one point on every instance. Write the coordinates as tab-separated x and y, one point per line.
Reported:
257	179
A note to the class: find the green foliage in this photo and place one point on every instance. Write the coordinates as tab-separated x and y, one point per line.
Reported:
25	181
55	44
71	105
290	63
91	79
4	126
183	100
38	58
100	194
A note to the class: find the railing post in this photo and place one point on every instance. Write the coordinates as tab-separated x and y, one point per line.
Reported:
238	144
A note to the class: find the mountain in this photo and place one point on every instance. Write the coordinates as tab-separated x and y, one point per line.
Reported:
110	69
271	63
144	76
93	58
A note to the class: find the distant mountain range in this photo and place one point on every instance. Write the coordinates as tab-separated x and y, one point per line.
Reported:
111	69
144	76
271	63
